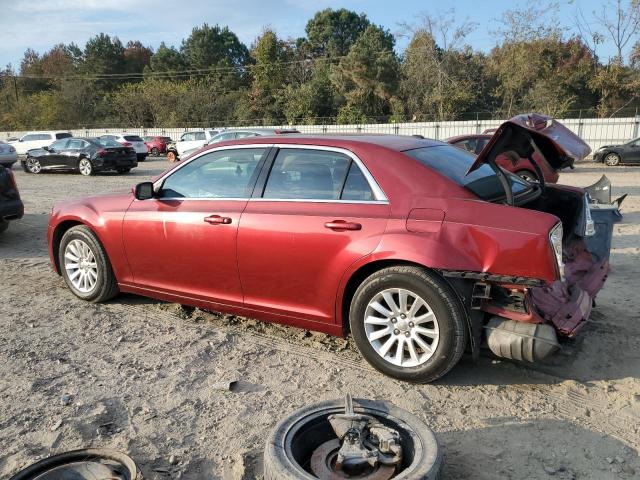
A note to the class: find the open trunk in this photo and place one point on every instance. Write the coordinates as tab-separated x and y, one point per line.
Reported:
584	247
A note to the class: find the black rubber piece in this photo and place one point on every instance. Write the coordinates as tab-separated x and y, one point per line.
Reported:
445	305
280	464
53	467
3	225
106	286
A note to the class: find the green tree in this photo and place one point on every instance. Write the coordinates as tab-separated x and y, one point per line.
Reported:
333	32
367	78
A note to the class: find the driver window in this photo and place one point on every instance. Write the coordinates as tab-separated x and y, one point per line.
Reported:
188	137
59	144
221	174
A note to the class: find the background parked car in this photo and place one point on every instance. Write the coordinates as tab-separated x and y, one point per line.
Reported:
612	155
157	145
190	141
523	167
8	155
84	155
242	133
37	140
130	140
11	207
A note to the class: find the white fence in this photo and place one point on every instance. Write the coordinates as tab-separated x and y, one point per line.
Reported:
595	131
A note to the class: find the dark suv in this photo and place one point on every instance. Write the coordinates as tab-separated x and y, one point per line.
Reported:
11	207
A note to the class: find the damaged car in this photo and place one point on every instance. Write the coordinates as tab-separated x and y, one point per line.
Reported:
416	248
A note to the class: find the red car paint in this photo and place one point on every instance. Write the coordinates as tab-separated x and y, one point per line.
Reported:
520	165
159	142
279	261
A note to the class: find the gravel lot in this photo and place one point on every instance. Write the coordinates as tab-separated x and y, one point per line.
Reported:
140	376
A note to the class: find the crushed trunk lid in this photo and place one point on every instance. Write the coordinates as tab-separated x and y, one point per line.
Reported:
524	134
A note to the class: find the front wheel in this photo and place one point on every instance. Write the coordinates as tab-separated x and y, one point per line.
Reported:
612	159
155	152
85	266
33	165
85	167
408	323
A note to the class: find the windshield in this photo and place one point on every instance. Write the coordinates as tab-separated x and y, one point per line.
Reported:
454	163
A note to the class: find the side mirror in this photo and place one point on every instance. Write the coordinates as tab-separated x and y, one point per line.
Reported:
144	191
45	148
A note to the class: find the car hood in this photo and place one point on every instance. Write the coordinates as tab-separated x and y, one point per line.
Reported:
522	135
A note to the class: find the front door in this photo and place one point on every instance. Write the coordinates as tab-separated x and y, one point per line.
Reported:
54	157
183	242
315	217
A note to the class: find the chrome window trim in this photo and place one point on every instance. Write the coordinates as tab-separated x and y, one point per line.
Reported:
378	193
158	183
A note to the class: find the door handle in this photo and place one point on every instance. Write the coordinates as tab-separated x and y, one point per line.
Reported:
217	220
339	225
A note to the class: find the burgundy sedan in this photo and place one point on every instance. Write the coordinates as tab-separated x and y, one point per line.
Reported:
416	248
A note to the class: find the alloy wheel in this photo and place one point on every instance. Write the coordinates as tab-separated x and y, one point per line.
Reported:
401	327
80	266
612	159
33	165
85	167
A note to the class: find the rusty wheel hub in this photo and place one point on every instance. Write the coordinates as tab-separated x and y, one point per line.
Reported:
323	465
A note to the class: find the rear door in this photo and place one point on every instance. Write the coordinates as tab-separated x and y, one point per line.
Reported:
314	216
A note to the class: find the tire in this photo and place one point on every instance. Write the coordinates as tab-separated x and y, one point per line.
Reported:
3	226
440	321
123	170
155	152
612	159
85	167
528	175
106	285
32	165
422	462
171	156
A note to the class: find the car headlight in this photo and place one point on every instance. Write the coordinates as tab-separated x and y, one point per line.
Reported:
555	238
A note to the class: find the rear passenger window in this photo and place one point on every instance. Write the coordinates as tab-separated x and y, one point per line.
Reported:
62	135
200	136
307	174
356	186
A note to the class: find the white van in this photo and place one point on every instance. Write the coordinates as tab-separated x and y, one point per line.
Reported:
37	140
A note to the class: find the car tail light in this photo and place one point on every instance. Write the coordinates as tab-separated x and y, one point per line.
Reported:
555	238
102	152
12	180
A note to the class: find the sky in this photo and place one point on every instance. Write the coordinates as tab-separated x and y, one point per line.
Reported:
40	24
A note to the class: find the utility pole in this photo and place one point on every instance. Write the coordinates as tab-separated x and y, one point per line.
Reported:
15	88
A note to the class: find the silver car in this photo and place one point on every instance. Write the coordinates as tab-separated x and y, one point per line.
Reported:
8	154
236	133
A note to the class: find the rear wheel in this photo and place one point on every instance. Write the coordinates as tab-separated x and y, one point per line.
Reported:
528	175
3	225
408	323
85	167
155	152
612	159
33	165
85	266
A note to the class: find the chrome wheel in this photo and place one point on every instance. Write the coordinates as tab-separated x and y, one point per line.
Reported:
33	165
612	159
401	327
80	266
85	166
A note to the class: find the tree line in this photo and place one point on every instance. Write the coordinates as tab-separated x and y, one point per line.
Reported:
344	70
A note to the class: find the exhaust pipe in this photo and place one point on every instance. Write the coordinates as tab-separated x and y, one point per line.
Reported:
526	342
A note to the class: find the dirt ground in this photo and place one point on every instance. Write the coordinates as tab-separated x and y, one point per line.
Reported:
141	376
